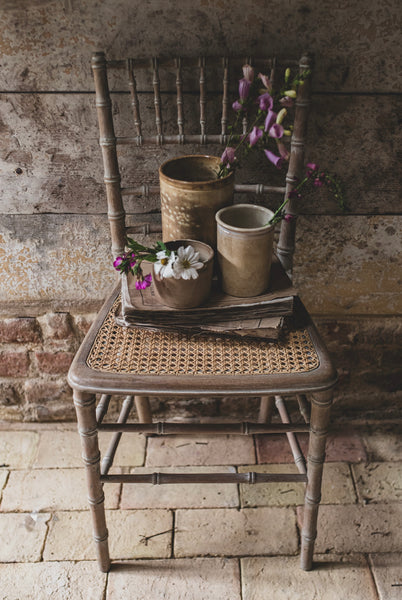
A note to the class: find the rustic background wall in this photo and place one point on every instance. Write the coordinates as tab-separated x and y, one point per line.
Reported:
54	244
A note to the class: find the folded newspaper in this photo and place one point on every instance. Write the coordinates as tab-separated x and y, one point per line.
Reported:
258	316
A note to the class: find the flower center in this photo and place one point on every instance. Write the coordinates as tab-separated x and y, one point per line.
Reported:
186	264
164	261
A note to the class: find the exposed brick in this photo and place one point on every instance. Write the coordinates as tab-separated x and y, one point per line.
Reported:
21	330
40	391
8	395
57	326
14	364
54	362
84	322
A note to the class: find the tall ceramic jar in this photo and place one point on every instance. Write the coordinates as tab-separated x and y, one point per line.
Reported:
245	245
191	193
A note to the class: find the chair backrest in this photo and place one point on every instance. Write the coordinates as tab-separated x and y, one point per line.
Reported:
184	87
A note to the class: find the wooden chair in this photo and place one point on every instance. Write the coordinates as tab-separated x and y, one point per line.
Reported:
112	359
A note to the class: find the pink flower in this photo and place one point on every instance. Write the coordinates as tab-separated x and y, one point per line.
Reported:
276	131
228	157
275	160
248	73
283	151
117	262
269	120
286	101
244	88
237	106
288	218
265	101
143	283
265	82
254	136
311	167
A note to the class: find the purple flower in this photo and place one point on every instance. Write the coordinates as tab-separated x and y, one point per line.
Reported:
265	101
286	101
275	160
117	263
228	157
248	72
237	106
265	81
318	182
270	120
276	131
141	284
288	218
244	88
254	136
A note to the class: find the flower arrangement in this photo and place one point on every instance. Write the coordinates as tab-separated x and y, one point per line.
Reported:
270	115
184	263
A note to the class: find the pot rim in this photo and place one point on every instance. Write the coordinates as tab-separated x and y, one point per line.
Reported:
234	207
190	184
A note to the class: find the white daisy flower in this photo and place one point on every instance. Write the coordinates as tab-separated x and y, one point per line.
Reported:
187	263
164	265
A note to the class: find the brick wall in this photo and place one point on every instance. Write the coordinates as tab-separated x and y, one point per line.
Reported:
36	352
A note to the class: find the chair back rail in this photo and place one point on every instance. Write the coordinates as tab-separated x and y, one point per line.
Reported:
109	142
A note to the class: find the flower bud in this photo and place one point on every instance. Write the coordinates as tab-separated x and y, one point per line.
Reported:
248	73
281	115
287	132
290	93
287	75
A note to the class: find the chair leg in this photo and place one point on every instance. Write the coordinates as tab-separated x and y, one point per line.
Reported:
143	409
86	418
320	412
267	404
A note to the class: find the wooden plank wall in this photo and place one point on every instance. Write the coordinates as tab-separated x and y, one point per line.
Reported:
54	244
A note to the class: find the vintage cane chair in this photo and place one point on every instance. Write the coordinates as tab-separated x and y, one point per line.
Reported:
113	360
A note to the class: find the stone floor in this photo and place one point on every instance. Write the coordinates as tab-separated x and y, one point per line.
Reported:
205	542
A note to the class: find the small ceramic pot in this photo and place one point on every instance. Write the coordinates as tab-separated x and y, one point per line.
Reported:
187	293
245	241
191	194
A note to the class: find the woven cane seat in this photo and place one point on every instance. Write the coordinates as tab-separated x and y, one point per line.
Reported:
129	350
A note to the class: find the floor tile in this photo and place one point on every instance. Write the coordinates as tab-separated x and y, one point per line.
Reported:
281	578
178	579
52	581
213	450
18	448
337	487
387	572
22	536
62	449
383	442
234	532
51	489
379	482
132	534
360	529
341	446
180	495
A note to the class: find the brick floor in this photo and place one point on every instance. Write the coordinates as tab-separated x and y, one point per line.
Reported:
204	542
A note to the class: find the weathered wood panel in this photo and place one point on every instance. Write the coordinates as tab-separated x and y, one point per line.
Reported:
46	44
50	160
58	262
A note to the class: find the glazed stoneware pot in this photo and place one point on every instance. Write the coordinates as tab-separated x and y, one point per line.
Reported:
191	193
245	242
187	293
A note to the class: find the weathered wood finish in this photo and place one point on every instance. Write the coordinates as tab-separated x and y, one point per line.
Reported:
320	413
86	419
116	213
286	244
